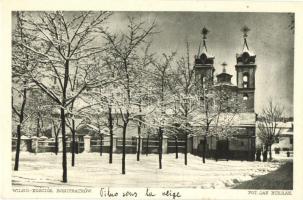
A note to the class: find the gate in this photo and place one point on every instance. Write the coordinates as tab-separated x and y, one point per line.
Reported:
222	149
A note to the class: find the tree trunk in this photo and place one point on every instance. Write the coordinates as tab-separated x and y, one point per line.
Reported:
73	142
211	147
16	167
270	153
216	152
38	127
110	121
176	146
265	154
56	145
139	133
204	149
101	144
139	145
147	147
64	177
227	150
123	147
185	150
160	147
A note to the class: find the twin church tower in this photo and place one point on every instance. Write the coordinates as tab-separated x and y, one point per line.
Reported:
245	68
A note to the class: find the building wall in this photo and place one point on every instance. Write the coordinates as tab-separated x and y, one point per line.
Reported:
240	147
284	143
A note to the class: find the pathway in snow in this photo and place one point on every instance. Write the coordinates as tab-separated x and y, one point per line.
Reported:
44	169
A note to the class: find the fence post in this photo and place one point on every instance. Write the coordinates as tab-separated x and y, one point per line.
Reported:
35	148
86	143
164	144
24	145
114	144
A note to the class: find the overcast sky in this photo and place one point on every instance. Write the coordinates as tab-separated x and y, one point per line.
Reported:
270	39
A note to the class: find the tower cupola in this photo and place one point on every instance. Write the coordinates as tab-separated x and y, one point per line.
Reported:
246	56
204	69
224	77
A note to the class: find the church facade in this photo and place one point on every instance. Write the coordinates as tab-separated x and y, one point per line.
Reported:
239	143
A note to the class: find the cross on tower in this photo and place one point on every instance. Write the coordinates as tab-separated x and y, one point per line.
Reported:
224	64
245	30
204	32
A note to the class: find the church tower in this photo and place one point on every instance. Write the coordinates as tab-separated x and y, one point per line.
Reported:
204	69
246	69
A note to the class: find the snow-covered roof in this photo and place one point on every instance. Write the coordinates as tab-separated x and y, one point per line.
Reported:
283	125
246	50
103	130
240	119
204	51
225	83
285	128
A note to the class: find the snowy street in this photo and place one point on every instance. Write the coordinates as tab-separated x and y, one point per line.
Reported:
91	170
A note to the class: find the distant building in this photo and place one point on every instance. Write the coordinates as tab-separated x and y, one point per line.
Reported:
284	141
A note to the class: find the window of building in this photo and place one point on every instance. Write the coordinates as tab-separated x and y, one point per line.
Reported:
291	140
245	97
245	80
202	80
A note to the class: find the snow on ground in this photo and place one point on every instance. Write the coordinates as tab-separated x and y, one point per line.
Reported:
45	169
282	156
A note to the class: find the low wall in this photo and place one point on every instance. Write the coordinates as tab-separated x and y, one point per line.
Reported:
237	149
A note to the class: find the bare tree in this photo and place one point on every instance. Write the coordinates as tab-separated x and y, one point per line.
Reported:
63	40
22	62
123	51
142	91
74	79
161	77
20	114
268	125
185	100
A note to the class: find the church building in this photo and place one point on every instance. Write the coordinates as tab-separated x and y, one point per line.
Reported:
239	143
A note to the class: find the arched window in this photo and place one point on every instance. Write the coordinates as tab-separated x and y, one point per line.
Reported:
202	80
245	80
245	97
